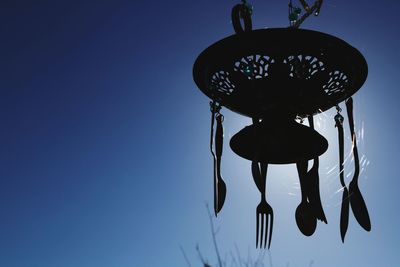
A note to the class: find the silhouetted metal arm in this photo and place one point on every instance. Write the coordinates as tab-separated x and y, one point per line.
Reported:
315	8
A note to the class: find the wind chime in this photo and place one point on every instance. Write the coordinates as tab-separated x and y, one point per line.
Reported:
275	76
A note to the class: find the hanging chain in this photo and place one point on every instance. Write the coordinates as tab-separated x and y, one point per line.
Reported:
215	107
338	117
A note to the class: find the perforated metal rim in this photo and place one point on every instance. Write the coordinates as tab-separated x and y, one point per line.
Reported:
254	73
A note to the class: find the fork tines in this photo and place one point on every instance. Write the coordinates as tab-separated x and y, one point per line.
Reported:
260	225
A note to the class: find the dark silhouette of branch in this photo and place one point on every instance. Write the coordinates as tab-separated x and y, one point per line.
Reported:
185	256
235	260
204	262
238	255
214	236
270	259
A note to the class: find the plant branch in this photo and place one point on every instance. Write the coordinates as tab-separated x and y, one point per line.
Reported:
185	256
214	237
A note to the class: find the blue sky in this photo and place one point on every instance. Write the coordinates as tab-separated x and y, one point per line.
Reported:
104	156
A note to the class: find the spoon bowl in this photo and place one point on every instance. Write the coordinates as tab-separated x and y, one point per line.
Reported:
221	191
305	219
358	206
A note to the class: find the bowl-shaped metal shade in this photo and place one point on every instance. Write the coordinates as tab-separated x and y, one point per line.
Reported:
302	70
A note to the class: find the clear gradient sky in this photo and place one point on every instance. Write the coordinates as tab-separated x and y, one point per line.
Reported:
104	156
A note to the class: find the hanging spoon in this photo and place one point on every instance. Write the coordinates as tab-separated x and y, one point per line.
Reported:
305	218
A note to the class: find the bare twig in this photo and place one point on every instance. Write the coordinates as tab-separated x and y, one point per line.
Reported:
259	259
270	259
217	230
204	262
226	259
238	255
237	260
185	256
214	237
249	263
233	259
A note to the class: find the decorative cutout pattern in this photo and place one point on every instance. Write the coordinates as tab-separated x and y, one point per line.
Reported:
304	67
220	81
254	66
336	84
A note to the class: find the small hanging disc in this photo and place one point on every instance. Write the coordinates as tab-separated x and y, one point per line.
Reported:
278	143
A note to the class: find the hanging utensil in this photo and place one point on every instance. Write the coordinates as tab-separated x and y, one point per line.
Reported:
357	202
313	185
344	213
314	194
255	168
213	108
220	184
305	217
264	212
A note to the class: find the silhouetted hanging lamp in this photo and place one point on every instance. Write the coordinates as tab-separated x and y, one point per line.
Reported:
276	76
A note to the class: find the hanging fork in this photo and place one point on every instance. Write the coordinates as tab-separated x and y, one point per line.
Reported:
264	210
